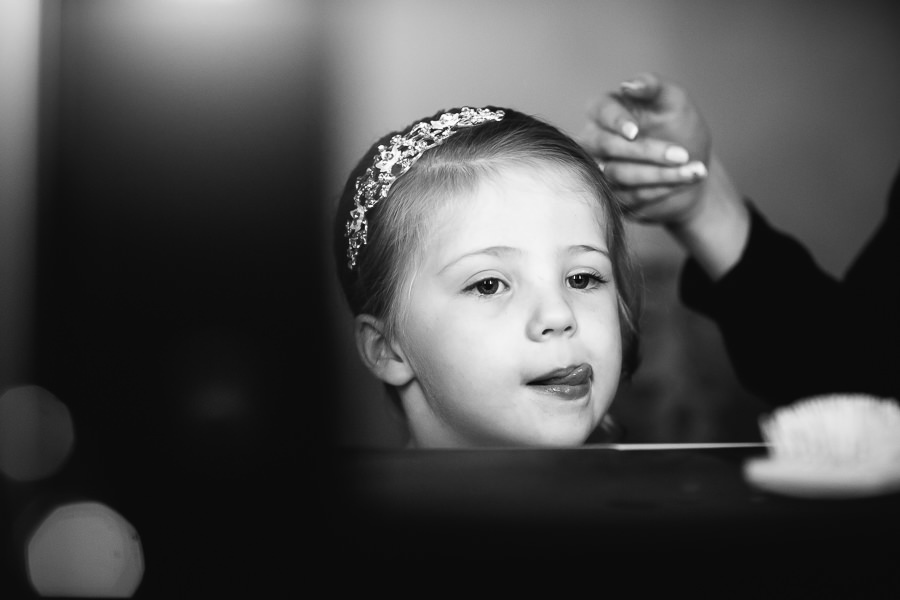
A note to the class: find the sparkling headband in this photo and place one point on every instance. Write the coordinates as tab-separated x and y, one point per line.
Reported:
394	160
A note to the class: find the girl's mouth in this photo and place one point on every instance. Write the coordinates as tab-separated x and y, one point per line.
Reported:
568	383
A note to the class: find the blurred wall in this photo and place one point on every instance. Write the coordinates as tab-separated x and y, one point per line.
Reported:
19	91
178	306
19	84
801	97
183	166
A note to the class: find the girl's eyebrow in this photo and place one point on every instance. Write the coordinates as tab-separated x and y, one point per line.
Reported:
582	248
498	251
490	251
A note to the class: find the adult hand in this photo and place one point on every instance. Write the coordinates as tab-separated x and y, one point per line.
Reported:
655	149
653	145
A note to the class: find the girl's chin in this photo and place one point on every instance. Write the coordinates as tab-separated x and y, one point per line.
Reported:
563	437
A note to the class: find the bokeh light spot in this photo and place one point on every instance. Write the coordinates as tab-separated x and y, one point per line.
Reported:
36	433
85	549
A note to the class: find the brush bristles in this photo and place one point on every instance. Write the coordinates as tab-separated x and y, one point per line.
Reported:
835	429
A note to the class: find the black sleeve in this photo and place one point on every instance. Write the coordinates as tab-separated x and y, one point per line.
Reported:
791	329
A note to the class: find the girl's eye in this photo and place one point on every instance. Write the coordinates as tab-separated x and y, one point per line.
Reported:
584	281
486	287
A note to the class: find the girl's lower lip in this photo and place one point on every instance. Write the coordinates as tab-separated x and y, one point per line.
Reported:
565	392
567	384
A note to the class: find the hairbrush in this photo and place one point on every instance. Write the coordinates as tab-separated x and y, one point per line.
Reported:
830	446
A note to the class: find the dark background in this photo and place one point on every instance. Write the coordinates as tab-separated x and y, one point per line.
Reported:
177	294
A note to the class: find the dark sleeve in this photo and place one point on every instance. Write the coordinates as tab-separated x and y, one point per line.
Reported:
791	329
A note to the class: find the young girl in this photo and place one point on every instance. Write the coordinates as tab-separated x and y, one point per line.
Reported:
483	257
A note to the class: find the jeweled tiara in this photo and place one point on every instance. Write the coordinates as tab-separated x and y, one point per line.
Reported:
394	160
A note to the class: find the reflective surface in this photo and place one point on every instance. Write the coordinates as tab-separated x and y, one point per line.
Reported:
595	505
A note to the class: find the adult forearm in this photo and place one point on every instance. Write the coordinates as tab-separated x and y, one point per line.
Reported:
715	232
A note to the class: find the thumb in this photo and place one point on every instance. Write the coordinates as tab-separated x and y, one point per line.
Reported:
644	87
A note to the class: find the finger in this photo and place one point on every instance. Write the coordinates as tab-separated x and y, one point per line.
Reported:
639	198
609	146
655	204
618	112
664	207
635	200
611	114
651	196
643	86
632	174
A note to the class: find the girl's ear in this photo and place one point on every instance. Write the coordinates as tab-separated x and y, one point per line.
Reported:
384	359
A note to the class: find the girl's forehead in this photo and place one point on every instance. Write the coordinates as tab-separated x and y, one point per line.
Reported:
519	207
543	171
552	184
490	195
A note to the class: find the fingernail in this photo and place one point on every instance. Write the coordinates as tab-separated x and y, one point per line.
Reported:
694	170
677	155
632	85
629	130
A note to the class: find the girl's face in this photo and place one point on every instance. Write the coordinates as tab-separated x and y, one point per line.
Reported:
511	324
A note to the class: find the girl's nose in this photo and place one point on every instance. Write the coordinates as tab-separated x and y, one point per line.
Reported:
551	317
